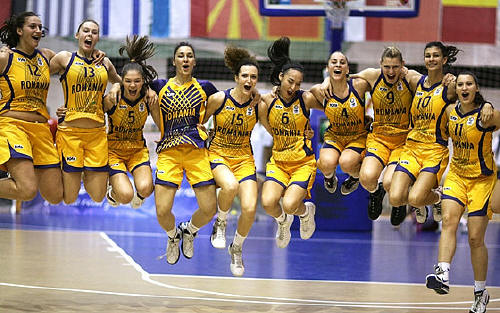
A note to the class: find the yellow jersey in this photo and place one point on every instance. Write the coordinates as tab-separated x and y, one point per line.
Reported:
125	123
428	107
391	107
472	151
346	116
182	109
84	84
288	121
233	125
24	83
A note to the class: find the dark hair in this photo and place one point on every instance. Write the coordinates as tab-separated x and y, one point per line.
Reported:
449	52
235	58
138	50
279	54
391	52
183	44
85	21
478	97
8	31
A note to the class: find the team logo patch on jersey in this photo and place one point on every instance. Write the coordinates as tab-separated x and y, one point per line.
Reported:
170	94
453	118
21	60
71	159
438	91
217	160
115	165
98	66
279	107
296	109
447	188
270	172
18	147
160	172
383	89
400	86
334	104
353	103
229	108
470	120
249	111
122	106
405	162
40	62
141	107
419	94
78	63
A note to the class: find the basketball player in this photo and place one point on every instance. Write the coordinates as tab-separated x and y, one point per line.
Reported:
126	143
81	137
391	97
182	148
469	183
291	171
230	151
345	138
27	149
425	154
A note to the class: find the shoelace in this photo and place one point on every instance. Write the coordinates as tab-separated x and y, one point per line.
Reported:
477	302
220	226
282	228
236	254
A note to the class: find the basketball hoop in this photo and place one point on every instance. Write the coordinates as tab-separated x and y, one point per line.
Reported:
337	12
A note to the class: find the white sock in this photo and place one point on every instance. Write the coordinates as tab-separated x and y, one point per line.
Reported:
445	266
329	175
221	215
479	285
281	218
172	233
238	239
192	229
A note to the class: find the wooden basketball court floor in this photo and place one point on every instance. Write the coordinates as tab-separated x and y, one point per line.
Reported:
110	264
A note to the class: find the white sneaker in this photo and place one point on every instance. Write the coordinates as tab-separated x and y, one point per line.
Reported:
481	299
307	223
283	234
136	201
237	267
173	252
421	214
187	240
112	202
436	208
218	237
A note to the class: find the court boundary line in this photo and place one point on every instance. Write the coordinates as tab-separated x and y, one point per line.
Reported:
146	277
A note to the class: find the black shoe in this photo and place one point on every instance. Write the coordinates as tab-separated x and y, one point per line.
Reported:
331	183
375	203
349	185
398	215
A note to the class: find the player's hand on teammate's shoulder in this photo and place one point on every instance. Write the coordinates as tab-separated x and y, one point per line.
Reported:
487	112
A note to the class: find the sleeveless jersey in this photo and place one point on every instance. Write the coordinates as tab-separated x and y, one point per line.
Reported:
346	116
233	124
84	84
391	107
125	123
472	151
24	83
182	108
428	125
288	122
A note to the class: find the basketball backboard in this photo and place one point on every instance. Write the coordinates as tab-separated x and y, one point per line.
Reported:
370	8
